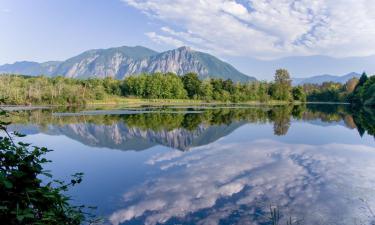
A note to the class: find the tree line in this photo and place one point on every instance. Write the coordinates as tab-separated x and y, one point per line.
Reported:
17	89
363	93
26	90
358	92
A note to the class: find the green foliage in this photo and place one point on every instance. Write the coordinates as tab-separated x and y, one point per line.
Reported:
281	90
364	92
206	90
25	198
192	84
326	92
163	86
160	86
23	90
357	92
298	94
362	80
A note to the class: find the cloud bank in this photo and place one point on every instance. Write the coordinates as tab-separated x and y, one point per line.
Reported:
265	29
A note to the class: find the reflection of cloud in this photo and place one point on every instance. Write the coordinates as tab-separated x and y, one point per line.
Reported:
163	157
320	183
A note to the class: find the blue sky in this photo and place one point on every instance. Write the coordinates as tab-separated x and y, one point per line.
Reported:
233	30
43	30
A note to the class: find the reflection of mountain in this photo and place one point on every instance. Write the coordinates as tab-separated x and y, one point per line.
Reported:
182	130
121	136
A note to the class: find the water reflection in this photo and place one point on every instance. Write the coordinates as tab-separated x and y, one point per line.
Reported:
215	165
183	129
234	183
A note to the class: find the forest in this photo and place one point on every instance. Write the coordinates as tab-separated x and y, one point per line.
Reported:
363	93
41	90
357	92
27	90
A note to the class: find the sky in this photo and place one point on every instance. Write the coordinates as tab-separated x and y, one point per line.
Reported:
234	30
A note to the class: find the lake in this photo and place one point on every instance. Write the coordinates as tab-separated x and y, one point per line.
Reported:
311	164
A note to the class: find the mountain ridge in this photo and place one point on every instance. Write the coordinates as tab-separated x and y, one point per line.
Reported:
305	66
120	62
319	79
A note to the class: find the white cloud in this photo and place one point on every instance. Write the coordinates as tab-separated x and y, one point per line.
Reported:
161	39
266	28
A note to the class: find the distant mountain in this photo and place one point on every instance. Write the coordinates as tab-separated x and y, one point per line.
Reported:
319	79
124	61
30	68
304	66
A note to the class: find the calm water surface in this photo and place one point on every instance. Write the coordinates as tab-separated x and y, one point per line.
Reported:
214	165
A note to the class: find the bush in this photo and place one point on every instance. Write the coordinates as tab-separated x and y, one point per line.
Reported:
25	197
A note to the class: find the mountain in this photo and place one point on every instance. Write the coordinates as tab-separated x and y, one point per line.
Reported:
30	68
102	63
319	79
125	61
304	66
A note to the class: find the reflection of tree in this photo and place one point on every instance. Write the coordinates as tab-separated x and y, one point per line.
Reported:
349	121
364	119
281	119
298	110
170	119
326	108
191	121
328	113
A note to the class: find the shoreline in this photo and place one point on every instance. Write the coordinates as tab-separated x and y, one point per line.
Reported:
134	102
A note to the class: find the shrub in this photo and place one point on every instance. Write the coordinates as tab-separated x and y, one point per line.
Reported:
25	197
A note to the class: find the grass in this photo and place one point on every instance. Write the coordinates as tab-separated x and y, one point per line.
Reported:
166	102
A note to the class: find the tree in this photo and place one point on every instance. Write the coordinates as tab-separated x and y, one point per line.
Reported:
351	85
192	84
228	86
363	93
206	90
298	94
25	199
283	85
368	96
174	87
362	79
